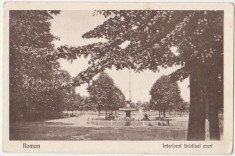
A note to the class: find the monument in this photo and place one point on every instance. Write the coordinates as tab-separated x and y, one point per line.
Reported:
128	109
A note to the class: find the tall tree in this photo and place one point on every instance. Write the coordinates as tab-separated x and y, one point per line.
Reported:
105	94
101	92
151	35
165	94
118	99
34	71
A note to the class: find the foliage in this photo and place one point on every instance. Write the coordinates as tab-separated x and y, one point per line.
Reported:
118	99
105	94
35	77
165	94
87	104
151	35
145	105
183	107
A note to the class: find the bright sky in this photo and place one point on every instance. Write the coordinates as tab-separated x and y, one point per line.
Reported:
69	26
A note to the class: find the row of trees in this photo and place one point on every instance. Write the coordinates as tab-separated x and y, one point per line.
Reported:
35	77
143	105
105	96
74	101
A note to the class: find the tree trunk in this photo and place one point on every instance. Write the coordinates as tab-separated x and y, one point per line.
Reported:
99	112
214	124
106	114
196	125
213	116
164	113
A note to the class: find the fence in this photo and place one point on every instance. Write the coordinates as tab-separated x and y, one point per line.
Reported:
127	123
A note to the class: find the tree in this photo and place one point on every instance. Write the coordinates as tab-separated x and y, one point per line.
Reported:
182	107
75	102
165	94
118	99
105	94
198	37
87	104
146	106
35	77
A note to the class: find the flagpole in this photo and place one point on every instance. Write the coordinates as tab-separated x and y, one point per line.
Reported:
129	84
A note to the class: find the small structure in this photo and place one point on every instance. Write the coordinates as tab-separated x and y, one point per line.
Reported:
128	109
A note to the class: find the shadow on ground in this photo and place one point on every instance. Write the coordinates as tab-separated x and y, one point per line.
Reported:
68	129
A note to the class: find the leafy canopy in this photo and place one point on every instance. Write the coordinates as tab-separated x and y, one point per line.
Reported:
105	94
151	34
165	94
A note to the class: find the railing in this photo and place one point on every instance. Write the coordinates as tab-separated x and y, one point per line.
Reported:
127	123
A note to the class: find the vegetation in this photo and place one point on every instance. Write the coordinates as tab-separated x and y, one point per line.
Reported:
144	105
34	72
183	107
165	95
105	94
151	35
38	89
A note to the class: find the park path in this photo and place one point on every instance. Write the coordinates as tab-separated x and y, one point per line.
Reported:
80	121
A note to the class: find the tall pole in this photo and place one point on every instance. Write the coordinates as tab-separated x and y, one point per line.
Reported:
129	84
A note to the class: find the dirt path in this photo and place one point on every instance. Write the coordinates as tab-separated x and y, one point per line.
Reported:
80	121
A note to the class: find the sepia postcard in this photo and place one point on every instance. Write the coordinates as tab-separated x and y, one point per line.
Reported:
118	77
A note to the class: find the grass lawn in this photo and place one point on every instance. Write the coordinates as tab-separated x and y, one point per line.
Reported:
60	131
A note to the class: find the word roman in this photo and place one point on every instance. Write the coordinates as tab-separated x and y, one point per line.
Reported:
31	145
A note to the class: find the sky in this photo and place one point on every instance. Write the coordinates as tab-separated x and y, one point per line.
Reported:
69	26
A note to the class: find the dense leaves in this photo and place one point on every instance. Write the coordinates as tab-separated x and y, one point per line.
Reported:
150	36
35	77
196	35
105	94
165	95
